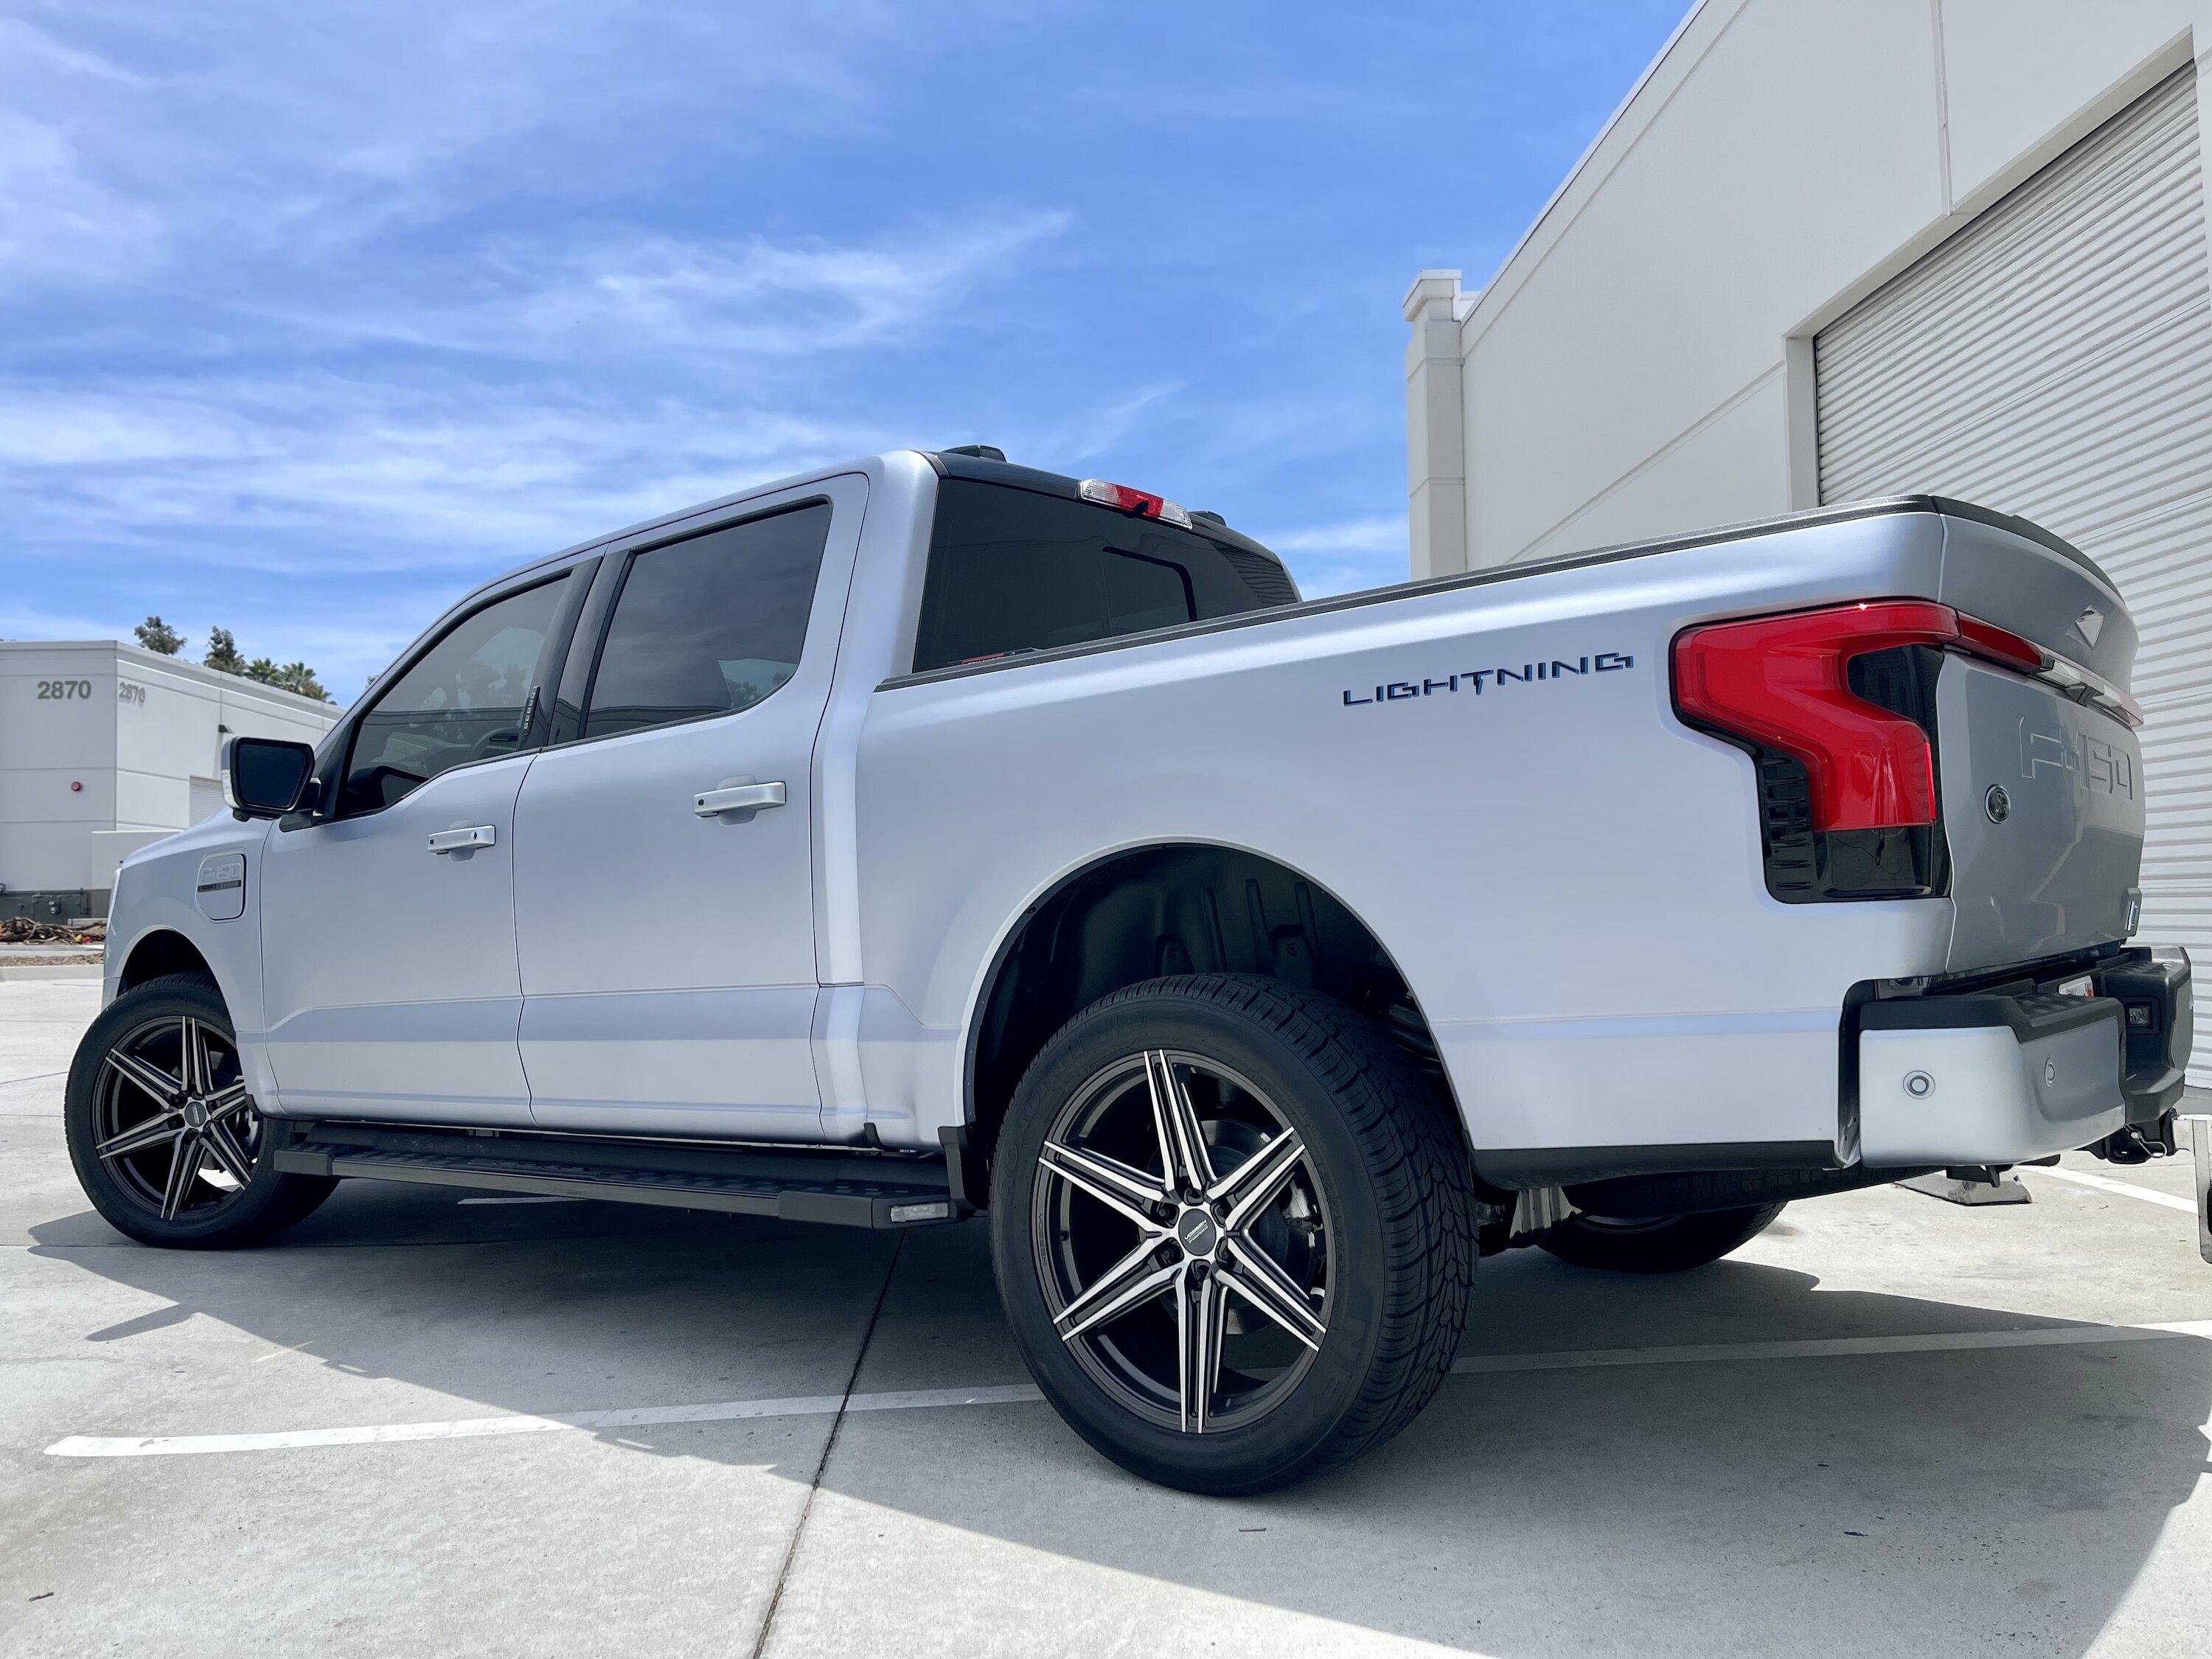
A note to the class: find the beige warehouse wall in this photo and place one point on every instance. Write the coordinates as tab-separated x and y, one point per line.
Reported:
1629	373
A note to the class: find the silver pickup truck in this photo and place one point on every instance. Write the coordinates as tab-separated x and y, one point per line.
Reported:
930	834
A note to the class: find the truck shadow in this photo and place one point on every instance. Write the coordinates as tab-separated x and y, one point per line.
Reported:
1975	1496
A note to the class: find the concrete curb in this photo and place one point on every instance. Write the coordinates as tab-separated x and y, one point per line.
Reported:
11	972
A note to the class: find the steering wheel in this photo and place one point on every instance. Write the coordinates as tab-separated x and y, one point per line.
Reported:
494	743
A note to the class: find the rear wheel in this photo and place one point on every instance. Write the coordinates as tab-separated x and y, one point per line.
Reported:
1233	1231
166	1140
1656	1244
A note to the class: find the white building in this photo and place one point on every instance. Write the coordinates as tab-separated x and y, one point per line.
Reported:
1830	251
104	748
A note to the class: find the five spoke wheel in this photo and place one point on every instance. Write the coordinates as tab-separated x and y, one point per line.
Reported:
1182	1241
175	1127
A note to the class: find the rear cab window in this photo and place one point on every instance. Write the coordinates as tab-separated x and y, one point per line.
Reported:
1014	570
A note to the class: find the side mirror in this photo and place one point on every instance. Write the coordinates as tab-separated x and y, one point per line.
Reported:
266	777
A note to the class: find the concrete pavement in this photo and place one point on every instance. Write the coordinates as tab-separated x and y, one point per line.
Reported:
2019	1477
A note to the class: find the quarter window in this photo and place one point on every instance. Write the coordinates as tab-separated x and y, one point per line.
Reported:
462	700
710	625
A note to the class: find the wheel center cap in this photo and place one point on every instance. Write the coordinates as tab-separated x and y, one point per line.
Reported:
1196	1233
195	1115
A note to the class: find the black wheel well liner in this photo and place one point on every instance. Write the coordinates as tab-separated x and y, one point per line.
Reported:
163	951
1173	908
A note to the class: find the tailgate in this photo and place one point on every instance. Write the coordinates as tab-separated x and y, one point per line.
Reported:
2042	788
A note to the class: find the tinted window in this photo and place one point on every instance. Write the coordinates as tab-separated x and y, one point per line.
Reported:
1012	570
710	625
462	700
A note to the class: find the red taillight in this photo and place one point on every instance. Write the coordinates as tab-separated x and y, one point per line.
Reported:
1782	682
2002	645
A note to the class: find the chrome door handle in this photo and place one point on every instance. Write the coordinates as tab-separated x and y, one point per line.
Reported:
459	840
737	798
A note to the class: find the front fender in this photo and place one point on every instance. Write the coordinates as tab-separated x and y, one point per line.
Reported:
157	892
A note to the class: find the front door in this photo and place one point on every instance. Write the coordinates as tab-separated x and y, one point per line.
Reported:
664	912
390	987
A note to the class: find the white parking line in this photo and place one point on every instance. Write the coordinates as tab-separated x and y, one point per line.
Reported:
2124	1188
468	1428
729	1411
2035	1336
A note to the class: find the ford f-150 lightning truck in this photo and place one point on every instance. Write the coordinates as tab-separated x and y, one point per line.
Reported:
930	836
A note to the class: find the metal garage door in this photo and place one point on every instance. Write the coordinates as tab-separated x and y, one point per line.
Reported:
2054	359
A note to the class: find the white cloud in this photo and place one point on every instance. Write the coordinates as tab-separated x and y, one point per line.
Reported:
273	473
26	621
321	312
627	294
421	464
301	133
330	519
1080	436
1383	533
343	653
26	43
55	217
1344	556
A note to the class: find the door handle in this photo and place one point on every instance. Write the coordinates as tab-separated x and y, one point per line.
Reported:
459	840
738	798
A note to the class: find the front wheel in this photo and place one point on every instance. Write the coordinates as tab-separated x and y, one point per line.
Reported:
165	1138
1233	1231
1656	1244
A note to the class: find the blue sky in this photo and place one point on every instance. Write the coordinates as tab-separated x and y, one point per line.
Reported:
313	316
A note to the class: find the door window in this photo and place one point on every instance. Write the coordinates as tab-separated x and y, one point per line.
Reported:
462	700
709	625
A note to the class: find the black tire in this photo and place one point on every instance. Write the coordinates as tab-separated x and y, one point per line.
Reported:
129	1190
1381	1192
1659	1244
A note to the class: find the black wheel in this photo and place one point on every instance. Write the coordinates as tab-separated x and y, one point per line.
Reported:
1233	1229
1656	1244
165	1138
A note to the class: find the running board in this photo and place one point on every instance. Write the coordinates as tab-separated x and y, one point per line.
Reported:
833	1186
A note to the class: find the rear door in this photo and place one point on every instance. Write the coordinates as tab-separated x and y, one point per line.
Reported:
666	942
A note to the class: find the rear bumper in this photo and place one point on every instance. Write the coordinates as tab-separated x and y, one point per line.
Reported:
2002	1075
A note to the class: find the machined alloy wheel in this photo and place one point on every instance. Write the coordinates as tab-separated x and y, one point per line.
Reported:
1233	1230
165	1139
176	1130
1182	1241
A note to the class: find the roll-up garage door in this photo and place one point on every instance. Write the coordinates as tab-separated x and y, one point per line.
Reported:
2054	359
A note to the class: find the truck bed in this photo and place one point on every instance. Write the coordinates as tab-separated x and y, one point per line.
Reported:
1489	771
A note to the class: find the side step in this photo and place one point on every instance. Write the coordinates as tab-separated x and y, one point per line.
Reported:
839	1186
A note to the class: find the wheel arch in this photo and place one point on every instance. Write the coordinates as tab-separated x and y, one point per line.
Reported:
162	951
1140	912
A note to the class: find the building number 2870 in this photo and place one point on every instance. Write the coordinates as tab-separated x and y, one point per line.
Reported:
73	691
